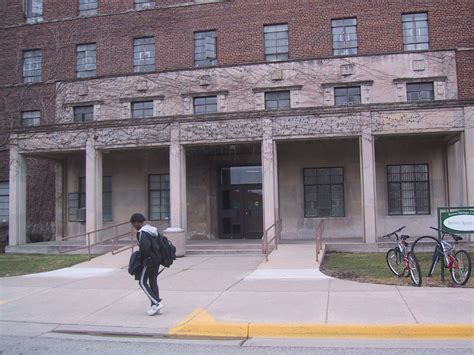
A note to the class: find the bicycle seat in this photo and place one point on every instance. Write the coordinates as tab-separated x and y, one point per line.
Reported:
456	237
404	237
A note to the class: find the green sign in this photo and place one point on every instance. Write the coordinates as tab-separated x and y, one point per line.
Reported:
458	221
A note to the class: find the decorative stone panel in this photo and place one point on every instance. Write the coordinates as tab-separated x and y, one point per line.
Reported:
221	130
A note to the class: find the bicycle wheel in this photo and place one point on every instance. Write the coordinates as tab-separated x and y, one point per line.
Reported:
461	268
395	261
415	272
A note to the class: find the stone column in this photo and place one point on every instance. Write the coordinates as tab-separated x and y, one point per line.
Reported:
455	173
93	189
367	176
59	208
268	175
17	198
176	231
469	153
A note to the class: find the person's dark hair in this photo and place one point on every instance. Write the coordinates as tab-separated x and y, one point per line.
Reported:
137	217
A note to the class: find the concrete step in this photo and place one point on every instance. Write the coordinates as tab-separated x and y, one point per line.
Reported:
220	246
53	248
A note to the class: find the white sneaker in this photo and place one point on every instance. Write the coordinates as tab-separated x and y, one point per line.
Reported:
155	309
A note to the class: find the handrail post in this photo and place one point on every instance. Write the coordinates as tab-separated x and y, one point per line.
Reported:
89	245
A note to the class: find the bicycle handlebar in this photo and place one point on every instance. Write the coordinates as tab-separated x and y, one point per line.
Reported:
394	232
455	236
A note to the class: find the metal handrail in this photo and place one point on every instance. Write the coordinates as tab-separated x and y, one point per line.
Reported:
276	237
319	238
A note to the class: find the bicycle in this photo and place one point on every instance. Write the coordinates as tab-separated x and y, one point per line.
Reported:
458	263
401	261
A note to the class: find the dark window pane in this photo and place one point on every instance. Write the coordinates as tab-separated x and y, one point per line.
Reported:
324	192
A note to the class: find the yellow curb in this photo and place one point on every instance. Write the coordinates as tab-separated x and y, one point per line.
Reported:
201	324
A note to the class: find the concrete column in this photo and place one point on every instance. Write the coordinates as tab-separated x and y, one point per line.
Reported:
469	153
276	186
59	208
17	198
456	183
268	175
176	231
93	189
367	175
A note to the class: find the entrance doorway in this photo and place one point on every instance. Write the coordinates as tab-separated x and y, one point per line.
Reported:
240	196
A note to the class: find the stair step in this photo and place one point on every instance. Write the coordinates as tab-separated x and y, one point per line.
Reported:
223	252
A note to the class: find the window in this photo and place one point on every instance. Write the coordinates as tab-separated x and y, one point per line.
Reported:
83	113
107	198
144	4
408	189
34	11
276	42
420	91
142	109
207	104
344	36
144	54
205	48
32	66
159	197
88	7
30	118
415	31
77	201
347	96
324	192
4	201
278	100
86	59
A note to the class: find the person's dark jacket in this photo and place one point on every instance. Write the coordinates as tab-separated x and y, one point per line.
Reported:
135	265
148	246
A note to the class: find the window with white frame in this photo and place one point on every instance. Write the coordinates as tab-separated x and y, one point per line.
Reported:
205	48
88	7
277	100
144	54
206	104
324	192
159	197
32	66
144	4
142	109
276	42
33	11
408	189
4	201
420	91
347	96
84	113
344	36
415	31
86	60
30	118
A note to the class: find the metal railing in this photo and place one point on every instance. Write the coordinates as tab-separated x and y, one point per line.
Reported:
116	247
277	227
319	238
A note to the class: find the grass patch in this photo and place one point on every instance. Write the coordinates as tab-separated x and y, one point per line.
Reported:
372	267
21	264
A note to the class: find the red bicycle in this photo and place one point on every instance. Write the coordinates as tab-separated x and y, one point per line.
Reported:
401	261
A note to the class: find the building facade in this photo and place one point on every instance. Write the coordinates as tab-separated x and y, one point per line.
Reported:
220	118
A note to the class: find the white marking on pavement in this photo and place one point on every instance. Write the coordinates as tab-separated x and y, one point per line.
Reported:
74	273
285	274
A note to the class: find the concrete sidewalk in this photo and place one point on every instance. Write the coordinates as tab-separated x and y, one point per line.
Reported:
233	296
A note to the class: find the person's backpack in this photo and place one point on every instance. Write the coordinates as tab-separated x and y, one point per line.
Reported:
167	251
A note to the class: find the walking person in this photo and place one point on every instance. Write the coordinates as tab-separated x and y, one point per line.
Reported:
150	257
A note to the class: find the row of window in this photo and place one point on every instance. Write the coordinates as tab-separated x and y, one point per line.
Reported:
408	191
34	8
276	100
158	199
408	194
344	34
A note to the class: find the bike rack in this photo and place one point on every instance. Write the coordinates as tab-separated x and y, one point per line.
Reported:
438	244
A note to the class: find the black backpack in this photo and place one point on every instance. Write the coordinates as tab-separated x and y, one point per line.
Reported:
167	251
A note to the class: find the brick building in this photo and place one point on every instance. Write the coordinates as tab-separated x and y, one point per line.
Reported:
222	117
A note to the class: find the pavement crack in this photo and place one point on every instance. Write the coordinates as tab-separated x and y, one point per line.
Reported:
406	303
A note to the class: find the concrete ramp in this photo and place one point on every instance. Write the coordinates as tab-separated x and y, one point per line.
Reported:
290	261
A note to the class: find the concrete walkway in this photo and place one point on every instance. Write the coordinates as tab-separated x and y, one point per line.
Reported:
233	296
